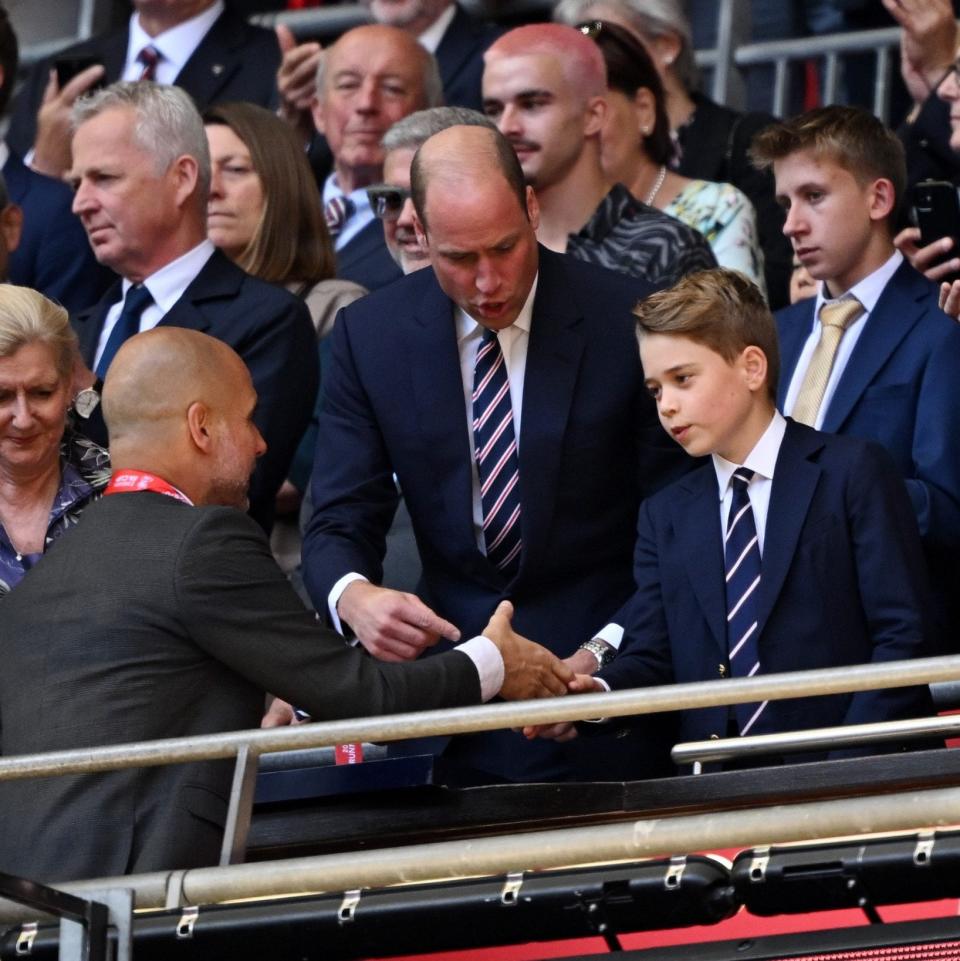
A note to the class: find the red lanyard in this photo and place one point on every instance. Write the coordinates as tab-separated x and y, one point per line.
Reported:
129	481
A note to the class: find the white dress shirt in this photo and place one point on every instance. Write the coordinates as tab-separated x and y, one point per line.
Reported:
868	292
762	460
432	37
361	215
175	46
166	286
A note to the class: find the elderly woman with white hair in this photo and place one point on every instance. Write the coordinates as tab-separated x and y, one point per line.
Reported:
48	473
710	140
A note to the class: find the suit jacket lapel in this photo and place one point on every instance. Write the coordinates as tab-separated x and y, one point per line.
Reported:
218	277
89	323
793	328
112	53
695	513
553	361
456	47
896	313
214	61
794	484
433	361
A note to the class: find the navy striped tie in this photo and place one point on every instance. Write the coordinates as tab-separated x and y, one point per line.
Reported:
498	465
741	556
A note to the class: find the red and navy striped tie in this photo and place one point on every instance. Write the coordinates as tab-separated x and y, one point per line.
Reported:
498	465
741	552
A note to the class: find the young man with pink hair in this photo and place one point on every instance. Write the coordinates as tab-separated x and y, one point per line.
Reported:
544	86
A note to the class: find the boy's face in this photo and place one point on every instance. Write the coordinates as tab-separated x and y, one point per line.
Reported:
708	406
837	225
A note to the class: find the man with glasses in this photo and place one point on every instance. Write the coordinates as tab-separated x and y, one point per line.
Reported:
390	201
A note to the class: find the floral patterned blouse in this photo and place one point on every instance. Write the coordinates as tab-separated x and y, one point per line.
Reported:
85	471
725	216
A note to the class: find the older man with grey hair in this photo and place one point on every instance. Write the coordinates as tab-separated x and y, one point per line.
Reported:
141	172
390	200
370	78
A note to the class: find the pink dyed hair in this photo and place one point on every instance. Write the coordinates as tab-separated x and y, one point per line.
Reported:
581	59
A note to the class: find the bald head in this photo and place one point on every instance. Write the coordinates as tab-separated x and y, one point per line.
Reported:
461	157
180	404
157	375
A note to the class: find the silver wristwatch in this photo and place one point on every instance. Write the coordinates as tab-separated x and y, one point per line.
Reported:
604	653
85	403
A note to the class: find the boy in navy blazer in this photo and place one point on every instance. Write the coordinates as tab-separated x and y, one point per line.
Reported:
891	376
791	550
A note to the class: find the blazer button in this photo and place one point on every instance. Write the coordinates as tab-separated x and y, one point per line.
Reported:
722	670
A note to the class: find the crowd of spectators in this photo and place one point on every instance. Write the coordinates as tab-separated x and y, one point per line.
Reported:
394	283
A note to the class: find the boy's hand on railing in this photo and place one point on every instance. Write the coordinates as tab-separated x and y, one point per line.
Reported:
529	670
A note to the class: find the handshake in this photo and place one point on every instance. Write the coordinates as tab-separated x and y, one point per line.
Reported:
530	670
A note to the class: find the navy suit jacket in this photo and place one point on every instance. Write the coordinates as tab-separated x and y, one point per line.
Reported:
899	388
460	58
366	260
842	582
590	447
234	61
54	255
271	330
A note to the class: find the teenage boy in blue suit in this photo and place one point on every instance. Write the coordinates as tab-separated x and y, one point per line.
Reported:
792	550
840	175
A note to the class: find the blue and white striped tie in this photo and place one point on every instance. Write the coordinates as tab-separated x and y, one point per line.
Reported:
741	555
498	465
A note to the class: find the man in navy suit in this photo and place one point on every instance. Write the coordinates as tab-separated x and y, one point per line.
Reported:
200	45
793	550
891	375
141	172
404	367
53	255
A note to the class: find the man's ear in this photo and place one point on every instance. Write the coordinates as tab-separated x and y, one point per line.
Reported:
533	208
754	362
594	116
883	198
186	171
11	225
200	426
419	230
317	112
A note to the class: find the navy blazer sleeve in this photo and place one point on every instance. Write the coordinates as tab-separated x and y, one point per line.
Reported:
354	494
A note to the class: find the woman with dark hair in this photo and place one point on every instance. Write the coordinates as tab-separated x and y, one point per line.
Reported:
636	149
710	140
264	214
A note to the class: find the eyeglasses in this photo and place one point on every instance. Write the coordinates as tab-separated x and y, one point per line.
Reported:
387	201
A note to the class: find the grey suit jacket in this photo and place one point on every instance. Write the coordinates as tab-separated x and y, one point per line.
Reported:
156	619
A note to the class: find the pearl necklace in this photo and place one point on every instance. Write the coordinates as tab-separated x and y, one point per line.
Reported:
657	184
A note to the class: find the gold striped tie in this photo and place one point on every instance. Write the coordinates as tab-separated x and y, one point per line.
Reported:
834	320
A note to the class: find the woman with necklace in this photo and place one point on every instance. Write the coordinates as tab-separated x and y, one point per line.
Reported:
636	150
710	141
48	473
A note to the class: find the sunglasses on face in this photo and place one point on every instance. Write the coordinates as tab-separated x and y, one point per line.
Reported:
386	201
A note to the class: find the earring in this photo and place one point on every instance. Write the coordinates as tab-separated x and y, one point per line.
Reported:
645	131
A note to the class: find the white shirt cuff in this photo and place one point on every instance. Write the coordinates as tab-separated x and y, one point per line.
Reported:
334	596
488	661
612	634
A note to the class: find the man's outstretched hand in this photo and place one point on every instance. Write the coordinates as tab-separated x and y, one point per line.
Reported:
529	669
565	730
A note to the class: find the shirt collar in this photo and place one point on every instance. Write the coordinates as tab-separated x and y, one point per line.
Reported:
359	197
176	44
761	460
167	284
466	325
431	37
4	153
868	290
